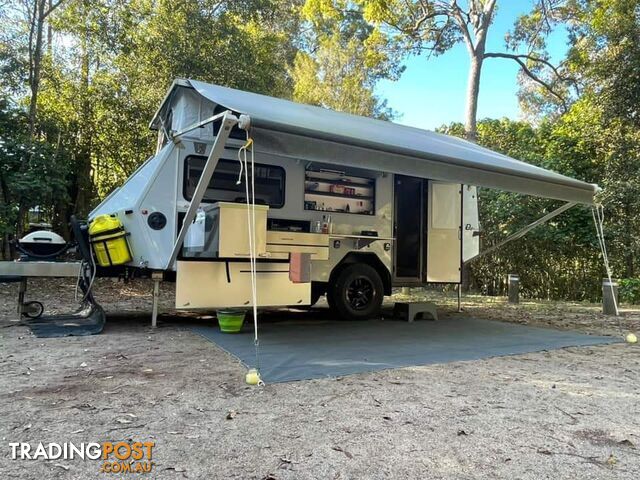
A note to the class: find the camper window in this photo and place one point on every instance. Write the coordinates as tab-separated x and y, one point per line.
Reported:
269	182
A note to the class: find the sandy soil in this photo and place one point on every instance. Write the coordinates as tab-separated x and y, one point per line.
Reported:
571	413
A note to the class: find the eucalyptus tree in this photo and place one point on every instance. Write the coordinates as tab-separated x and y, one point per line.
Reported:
433	27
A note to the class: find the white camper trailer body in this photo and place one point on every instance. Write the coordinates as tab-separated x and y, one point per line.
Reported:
402	201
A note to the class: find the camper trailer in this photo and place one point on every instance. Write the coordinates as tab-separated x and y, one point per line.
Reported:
251	201
306	202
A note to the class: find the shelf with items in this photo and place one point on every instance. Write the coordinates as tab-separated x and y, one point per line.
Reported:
338	204
337	195
347	183
327	191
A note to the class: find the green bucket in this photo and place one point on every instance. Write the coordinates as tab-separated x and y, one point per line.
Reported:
230	321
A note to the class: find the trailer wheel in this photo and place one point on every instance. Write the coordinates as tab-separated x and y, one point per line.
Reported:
357	292
33	309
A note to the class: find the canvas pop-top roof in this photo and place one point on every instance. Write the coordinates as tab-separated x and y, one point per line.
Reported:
316	134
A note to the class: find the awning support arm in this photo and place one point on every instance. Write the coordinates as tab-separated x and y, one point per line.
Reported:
228	122
521	233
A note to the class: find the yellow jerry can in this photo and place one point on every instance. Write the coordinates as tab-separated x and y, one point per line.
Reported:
109	242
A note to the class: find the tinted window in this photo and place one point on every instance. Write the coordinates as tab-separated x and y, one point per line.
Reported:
269	182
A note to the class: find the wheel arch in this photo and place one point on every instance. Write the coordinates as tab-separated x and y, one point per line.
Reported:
368	258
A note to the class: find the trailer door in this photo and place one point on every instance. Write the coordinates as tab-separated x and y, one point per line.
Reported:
408	229
444	232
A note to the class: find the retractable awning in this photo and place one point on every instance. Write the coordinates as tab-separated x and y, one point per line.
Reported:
317	134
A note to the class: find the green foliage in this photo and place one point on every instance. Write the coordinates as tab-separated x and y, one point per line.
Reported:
111	62
606	54
415	26
203	38
341	60
32	173
596	140
101	85
629	290
561	259
603	58
13	68
558	260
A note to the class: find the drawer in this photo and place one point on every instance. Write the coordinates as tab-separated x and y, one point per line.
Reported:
298	238
282	251
316	244
208	285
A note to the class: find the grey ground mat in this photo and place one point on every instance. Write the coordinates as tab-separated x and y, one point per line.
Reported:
89	320
304	349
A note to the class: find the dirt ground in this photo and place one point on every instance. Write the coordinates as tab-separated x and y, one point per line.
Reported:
570	413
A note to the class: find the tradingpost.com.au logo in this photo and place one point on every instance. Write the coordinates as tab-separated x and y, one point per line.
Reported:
116	457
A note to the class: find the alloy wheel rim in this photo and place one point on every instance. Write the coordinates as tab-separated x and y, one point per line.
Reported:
360	293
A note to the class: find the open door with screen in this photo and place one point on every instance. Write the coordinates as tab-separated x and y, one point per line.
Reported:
444	232
409	229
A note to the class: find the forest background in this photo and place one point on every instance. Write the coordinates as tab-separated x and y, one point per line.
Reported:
80	80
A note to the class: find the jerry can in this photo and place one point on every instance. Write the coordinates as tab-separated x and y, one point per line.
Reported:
109	242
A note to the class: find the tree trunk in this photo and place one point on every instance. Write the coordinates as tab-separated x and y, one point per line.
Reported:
34	86
36	60
473	90
50	32
83	159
